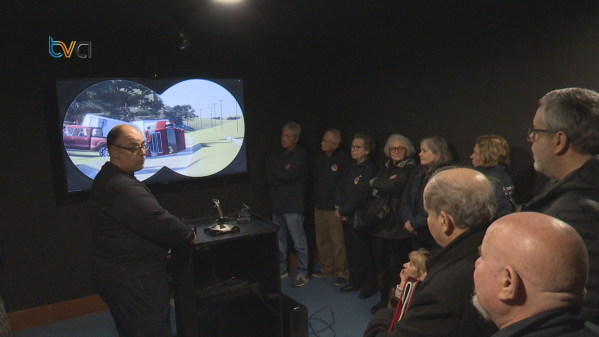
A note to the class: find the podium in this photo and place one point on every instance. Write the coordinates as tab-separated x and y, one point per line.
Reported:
228	285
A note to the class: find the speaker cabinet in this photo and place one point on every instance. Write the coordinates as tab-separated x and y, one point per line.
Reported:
295	317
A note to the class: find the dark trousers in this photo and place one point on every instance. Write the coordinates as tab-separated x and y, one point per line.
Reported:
140	306
362	270
390	256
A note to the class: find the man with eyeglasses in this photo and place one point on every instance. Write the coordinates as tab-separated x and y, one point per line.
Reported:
132	234
565	143
329	165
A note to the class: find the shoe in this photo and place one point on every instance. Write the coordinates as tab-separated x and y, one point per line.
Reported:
284	274
350	287
320	274
378	307
299	281
366	293
340	281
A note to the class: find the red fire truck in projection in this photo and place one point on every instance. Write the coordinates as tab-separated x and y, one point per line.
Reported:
163	138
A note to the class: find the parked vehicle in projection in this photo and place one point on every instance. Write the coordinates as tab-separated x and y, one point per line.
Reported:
78	137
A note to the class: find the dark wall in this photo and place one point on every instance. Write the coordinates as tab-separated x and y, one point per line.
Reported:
459	69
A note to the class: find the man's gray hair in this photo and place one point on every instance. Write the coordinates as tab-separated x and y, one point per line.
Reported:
337	137
404	140
294	127
574	111
471	202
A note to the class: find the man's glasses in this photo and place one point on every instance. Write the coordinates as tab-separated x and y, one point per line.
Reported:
134	150
532	133
397	149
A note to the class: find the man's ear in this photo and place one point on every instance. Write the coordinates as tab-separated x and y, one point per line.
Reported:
562	143
447	223
511	284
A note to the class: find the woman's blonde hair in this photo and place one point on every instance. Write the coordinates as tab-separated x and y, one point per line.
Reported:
418	259
493	150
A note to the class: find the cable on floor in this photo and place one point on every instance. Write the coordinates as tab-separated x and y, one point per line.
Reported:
330	316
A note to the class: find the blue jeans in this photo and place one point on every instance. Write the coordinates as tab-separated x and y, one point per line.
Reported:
292	223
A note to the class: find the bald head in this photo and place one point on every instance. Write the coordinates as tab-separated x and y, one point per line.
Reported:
530	263
126	146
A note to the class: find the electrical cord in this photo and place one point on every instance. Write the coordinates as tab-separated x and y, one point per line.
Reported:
328	309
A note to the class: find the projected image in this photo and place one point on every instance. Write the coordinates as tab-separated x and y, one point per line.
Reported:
194	128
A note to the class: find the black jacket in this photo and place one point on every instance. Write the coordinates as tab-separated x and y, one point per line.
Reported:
560	322
352	190
504	187
392	226
131	231
286	179
575	200
442	303
412	203
328	170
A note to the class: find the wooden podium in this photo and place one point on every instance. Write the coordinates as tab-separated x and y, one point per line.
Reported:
228	285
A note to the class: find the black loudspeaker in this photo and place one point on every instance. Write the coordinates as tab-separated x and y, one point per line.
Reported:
295	317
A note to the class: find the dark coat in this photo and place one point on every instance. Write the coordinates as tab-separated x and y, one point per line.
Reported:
352	190
132	232
560	322
504	187
412	203
285	175
392	226
442	303
575	200
328	170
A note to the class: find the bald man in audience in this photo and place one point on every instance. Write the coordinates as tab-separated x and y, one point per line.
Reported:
530	277
460	204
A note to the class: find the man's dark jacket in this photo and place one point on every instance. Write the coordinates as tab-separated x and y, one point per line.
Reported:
575	200
286	179
131	231
442	304
328	170
560	322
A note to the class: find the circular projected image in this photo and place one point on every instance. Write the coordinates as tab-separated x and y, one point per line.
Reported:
194	128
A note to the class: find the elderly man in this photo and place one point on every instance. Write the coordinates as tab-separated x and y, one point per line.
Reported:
530	277
132	234
565	143
285	176
329	165
461	204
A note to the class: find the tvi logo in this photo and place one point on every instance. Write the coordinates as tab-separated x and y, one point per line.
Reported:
73	47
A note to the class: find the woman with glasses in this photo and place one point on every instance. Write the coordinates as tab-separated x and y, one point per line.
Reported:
391	243
351	194
434	153
490	156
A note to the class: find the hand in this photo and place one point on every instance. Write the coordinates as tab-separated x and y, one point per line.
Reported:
403	277
408	227
393	176
343	218
195	236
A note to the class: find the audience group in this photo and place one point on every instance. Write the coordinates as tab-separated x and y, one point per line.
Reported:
481	264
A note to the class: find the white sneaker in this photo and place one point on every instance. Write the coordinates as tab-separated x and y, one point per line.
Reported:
299	281
284	274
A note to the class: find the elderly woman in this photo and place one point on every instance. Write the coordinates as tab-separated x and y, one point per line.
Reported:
490	156
391	243
351	193
434	153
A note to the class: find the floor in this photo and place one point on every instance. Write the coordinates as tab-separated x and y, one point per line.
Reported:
330	311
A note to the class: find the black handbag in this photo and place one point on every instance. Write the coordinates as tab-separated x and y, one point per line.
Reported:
376	209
